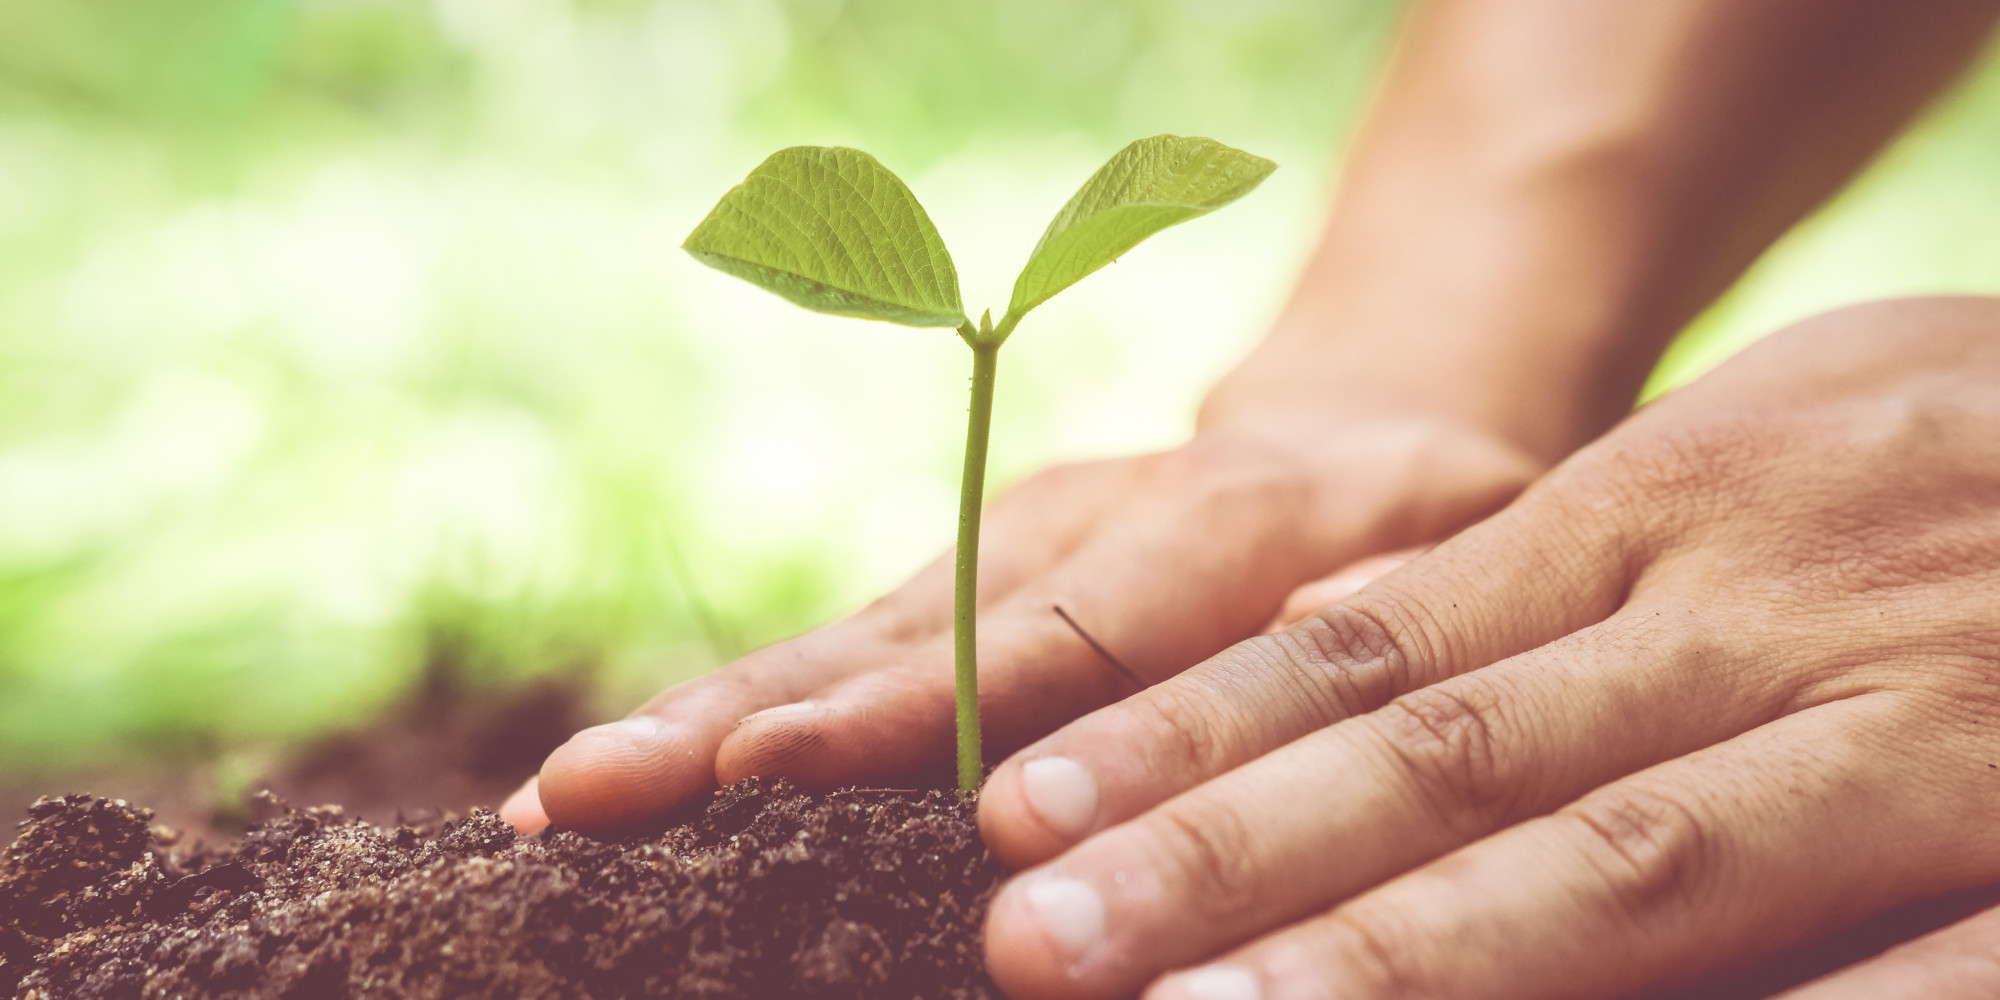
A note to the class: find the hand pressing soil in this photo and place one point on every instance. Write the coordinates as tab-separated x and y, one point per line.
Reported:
767	893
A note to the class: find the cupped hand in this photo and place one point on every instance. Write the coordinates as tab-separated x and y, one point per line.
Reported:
1161	560
1725	683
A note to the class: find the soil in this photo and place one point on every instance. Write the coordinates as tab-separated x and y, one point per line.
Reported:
447	745
766	892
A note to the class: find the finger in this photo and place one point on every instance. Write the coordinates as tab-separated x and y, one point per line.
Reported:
1524	578
523	809
1767	979
1960	962
896	725
1703	864
1357	803
664	755
1336	587
642	767
1036	670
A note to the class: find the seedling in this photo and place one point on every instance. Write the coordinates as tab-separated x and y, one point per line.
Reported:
833	230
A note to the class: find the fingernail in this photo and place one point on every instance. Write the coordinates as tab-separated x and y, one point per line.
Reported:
523	809
1214	982
795	708
638	738
1062	792
637	729
1071	913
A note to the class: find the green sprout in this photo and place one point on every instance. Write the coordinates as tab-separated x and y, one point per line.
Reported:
833	230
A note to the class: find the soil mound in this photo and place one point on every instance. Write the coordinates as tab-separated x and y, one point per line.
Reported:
767	892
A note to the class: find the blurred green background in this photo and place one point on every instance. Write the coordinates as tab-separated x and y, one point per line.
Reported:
337	332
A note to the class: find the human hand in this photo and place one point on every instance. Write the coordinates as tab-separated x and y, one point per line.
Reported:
1164	559
1941	959
1341	584
1721	685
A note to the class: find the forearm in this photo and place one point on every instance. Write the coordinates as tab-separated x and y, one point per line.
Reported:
1547	190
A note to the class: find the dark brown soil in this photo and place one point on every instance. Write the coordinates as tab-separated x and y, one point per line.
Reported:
447	745
767	893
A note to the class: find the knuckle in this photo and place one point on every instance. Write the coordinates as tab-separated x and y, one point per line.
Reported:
1183	727
1210	853
1695	453
1856	556
1375	946
1966	669
1302	680
1354	658
1220	478
1059	477
1652	850
1887	538
1447	739
1673	477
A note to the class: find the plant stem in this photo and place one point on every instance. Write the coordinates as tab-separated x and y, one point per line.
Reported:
965	596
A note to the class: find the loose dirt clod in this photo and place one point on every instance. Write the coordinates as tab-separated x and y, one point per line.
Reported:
766	893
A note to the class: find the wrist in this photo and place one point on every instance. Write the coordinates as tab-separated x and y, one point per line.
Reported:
1533	317
1477	373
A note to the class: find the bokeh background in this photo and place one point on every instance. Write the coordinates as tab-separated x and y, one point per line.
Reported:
341	339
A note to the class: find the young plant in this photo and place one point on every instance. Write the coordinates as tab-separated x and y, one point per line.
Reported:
833	230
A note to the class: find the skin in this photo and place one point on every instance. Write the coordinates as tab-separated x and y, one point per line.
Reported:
1961	962
1545	191
1723	684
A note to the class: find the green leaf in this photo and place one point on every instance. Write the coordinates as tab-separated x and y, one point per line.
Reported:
1150	185
833	230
